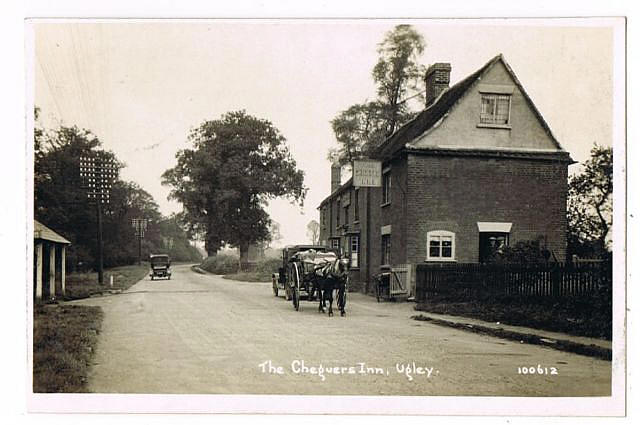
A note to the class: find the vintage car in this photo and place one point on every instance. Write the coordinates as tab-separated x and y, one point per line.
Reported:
160	266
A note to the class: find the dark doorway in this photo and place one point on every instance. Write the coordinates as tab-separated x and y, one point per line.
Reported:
492	243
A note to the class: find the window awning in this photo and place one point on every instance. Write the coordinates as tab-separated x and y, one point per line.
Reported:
491	226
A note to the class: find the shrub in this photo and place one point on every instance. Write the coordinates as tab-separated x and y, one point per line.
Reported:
523	252
268	266
221	264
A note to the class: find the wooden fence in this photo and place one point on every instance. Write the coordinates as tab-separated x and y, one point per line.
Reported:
541	280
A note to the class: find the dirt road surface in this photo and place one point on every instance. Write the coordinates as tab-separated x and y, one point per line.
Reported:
201	334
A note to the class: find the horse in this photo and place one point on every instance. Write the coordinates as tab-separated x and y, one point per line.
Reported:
329	277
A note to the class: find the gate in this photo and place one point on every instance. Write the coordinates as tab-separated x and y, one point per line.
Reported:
399	280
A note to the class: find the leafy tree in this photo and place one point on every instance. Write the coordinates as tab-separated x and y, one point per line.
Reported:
313	232
275	235
237	164
174	240
357	129
60	202
129	201
397	73
589	205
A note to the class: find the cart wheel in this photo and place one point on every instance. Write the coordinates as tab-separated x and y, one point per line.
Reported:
296	298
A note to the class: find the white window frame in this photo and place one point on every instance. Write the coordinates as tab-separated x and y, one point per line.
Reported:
439	234
496	97
354	255
335	243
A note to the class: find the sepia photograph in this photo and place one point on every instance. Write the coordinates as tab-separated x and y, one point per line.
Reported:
353	215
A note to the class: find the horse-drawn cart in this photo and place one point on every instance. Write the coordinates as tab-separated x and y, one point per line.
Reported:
310	272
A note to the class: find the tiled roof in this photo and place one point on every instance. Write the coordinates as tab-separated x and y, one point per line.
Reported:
40	231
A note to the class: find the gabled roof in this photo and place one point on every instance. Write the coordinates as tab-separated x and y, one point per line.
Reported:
447	99
40	231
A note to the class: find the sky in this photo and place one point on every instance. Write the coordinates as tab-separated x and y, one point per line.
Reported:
140	86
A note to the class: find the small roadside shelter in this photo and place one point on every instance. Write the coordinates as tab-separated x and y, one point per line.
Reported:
46	242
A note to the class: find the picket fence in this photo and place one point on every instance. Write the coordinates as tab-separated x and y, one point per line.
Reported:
542	280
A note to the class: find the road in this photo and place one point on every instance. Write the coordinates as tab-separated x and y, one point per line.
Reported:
202	334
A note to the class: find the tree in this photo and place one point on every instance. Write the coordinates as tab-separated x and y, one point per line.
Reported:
357	130
313	232
174	240
60	202
589	205
364	126
274	233
397	71
237	164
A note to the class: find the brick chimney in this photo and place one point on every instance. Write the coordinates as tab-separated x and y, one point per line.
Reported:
437	81
335	176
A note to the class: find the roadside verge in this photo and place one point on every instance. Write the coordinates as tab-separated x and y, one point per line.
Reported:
586	346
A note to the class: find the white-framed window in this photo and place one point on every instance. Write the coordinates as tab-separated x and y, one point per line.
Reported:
386	187
441	245
495	109
354	250
335	244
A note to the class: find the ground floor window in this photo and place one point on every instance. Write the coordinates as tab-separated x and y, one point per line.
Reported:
441	246
335	244
354	251
386	249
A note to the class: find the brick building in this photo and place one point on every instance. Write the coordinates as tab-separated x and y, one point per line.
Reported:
477	169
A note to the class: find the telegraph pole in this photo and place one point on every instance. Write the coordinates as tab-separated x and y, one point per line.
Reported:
140	226
98	172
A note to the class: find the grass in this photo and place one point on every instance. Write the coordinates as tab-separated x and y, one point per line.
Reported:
64	340
83	285
586	316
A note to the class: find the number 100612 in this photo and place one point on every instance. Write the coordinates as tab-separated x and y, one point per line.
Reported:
537	370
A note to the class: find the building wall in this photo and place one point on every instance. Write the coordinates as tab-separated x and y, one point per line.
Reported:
455	193
371	238
394	213
460	126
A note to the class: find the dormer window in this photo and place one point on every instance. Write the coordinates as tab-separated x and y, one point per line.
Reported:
495	109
